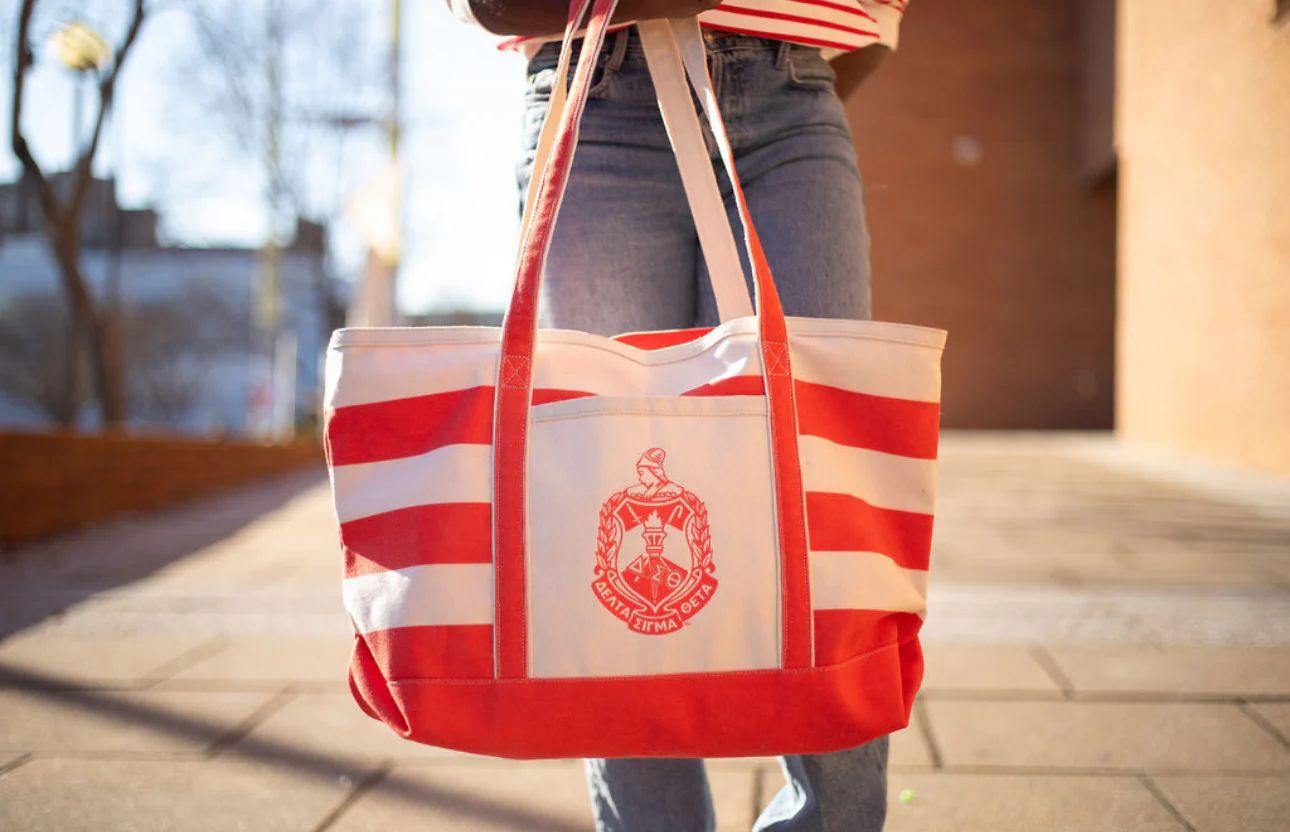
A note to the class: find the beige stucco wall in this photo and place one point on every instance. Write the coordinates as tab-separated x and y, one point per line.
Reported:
1203	135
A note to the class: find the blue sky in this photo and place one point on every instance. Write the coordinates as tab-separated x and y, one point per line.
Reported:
462	108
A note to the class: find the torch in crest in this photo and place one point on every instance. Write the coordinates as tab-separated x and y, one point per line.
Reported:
654	532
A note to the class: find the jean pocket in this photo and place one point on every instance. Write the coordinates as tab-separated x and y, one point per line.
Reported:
809	70
541	75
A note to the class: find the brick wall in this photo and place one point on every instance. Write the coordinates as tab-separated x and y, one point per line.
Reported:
973	141
55	482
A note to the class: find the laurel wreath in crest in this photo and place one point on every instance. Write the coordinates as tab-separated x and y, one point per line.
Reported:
702	534
609	534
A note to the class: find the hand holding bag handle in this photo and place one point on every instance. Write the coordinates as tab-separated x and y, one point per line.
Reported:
680	42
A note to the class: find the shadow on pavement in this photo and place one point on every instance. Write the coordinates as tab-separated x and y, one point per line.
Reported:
58	693
41	579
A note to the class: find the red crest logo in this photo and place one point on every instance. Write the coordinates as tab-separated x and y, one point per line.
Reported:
664	576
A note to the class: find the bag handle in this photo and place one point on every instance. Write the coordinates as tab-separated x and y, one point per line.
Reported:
716	240
681	42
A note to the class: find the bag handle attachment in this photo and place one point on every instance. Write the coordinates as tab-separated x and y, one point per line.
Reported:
674	45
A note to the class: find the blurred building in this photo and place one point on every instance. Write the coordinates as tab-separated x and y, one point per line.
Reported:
1011	148
985	141
1203	134
196	353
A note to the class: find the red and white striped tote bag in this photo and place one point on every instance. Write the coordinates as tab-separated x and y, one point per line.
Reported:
699	543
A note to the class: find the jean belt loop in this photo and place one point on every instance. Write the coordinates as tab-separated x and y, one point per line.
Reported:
781	54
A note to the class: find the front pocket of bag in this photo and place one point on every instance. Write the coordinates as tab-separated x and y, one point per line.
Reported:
652	537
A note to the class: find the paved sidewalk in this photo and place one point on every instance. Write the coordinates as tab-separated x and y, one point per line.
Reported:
1108	649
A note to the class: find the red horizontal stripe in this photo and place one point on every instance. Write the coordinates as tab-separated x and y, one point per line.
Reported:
732	386
795	38
401	428
843	523
549	395
860	420
455	651
845	634
797	18
745	713
838	7
439	533
407	427
661	339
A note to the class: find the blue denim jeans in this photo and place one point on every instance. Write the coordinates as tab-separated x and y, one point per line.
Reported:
625	257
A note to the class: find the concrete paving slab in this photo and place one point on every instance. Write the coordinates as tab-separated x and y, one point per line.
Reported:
1103	735
329	726
962	667
148	795
1016	803
1084	615
1176	670
908	748
1276	714
1211	566
41	657
1233	803
462	797
117	721
273	659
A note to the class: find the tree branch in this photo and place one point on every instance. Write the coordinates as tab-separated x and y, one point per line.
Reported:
107	89
21	62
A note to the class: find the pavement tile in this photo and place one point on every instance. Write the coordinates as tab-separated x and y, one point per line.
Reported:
118	721
908	749
146	795
1021	803
274	659
1176	670
1107	735
466	797
1232	803
961	667
330	726
1208	566
1277	714
41	657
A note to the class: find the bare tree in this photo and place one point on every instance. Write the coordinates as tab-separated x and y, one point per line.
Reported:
32	369
62	214
172	345
289	82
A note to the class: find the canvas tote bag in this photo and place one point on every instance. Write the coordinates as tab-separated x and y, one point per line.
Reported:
699	543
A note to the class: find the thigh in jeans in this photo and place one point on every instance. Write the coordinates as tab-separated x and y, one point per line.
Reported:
622	258
797	163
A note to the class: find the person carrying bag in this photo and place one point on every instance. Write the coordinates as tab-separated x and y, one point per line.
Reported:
643	548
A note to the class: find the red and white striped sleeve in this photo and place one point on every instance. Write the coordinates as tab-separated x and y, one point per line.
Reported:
835	26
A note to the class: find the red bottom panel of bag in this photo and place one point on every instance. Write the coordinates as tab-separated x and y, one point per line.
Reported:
755	713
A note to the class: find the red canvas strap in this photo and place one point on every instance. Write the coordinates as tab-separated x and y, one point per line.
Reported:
519	334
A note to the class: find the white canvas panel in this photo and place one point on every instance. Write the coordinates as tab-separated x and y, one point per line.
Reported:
883	480
451	474
419	596
881	359
583	452
865	581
